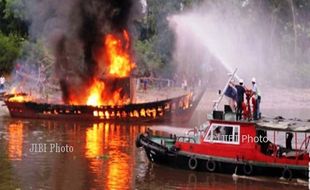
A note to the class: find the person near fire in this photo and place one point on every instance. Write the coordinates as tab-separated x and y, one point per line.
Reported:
184	84
257	100
2	81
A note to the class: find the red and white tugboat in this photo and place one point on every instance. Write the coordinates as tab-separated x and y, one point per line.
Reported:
234	147
244	147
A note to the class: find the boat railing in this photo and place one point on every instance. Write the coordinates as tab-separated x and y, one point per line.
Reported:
186	139
305	143
192	132
280	151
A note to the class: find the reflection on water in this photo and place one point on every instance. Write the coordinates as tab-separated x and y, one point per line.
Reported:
94	141
163	177
104	157
108	148
15	143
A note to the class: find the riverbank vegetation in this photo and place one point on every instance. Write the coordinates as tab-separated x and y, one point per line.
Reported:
154	39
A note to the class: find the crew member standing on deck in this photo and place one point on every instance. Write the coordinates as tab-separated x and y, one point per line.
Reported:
240	98
256	95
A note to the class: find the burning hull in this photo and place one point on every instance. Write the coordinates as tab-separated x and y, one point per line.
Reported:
179	109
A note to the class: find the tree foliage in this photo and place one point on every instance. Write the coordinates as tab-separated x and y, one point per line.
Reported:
13	32
11	18
287	20
155	41
9	51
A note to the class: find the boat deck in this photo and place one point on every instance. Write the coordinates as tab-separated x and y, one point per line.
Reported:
168	142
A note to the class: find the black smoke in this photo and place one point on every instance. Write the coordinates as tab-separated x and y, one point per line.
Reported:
75	48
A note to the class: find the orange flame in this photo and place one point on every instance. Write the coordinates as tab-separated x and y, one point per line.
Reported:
98	95
19	97
118	57
115	61
94	97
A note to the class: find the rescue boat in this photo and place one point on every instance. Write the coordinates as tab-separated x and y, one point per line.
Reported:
264	147
240	147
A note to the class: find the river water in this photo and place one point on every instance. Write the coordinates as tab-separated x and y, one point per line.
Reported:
104	156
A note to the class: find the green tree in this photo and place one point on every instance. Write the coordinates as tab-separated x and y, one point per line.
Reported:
11	18
13	32
155	42
9	51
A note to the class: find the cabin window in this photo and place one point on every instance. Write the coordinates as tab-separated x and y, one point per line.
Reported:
220	133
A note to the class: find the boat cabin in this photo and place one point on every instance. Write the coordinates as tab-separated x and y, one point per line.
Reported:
268	141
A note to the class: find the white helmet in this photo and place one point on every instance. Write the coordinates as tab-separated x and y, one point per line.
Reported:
254	80
241	81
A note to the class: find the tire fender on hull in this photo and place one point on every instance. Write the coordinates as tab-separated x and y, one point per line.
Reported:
192	163
210	165
287	174
247	169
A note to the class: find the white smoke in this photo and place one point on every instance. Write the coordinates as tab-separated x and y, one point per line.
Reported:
224	34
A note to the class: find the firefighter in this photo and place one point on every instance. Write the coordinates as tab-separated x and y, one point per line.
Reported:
257	100
288	140
240	98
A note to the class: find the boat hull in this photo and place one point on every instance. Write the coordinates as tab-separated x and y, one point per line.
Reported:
172	157
175	110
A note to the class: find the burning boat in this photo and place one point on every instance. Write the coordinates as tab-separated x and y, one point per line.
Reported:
178	109
106	92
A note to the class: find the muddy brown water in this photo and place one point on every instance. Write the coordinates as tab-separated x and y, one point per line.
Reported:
104	156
